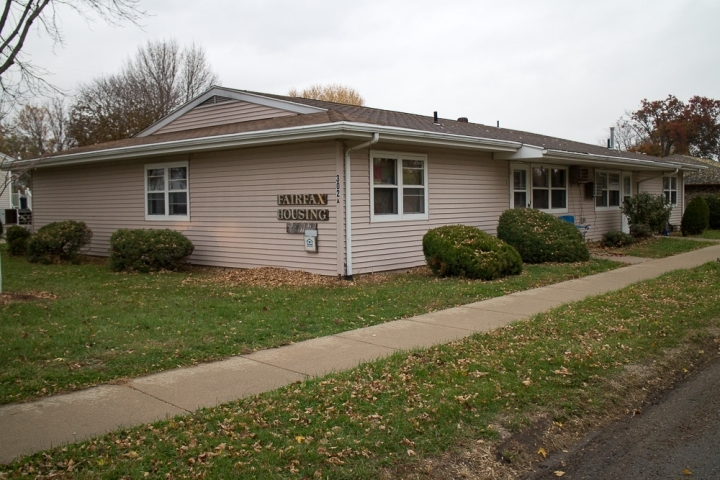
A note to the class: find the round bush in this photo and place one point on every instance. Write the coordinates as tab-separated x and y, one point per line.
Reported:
16	238
713	202
617	239
148	250
58	241
696	218
462	250
539	237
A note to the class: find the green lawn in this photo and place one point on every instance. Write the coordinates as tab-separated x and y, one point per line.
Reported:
710	234
388	414
91	325
656	247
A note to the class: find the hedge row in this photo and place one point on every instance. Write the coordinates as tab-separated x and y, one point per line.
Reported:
132	250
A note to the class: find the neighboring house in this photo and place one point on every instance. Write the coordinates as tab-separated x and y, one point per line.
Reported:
244	174
702	182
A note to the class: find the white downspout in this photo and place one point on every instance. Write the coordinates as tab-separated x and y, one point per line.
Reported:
348	206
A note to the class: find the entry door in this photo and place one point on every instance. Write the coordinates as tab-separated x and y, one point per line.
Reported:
626	193
520	186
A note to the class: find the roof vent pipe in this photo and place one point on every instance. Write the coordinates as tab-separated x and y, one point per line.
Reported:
498	124
435	119
463	119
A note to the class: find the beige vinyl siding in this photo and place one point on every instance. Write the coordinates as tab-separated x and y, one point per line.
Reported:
5	189
652	182
233	204
462	188
222	114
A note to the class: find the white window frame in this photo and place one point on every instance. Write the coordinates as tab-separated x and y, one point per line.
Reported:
667	193
167	216
528	167
398	157
619	190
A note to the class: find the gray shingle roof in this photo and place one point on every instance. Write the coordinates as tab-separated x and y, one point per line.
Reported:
708	176
336	112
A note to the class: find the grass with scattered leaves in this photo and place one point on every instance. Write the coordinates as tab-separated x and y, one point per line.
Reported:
710	234
655	247
66	327
384	416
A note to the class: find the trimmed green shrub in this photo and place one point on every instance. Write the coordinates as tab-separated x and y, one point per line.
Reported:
615	238
58	241
540	237
16	238
148	250
713	202
696	218
646	209
462	250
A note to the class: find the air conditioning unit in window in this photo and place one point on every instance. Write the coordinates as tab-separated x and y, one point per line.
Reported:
579	174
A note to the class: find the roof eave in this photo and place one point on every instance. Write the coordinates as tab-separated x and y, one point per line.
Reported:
589	158
345	130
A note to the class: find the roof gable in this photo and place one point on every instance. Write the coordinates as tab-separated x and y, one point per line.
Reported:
221	106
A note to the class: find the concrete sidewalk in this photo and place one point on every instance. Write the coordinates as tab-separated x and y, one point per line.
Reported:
28	427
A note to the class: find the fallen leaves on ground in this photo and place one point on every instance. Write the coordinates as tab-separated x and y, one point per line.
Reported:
282	277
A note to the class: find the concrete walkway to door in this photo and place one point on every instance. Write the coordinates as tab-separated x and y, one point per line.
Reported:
29	427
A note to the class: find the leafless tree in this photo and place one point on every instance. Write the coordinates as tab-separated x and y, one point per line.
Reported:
161	77
18	74
332	92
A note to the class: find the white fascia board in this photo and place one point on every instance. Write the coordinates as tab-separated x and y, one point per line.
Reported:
345	130
526	152
593	160
229	93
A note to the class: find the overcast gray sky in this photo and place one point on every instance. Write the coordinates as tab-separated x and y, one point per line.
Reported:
567	68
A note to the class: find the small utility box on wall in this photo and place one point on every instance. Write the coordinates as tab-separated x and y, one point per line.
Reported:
311	241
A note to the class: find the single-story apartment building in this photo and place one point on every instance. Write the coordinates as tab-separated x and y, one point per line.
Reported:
256	179
701	182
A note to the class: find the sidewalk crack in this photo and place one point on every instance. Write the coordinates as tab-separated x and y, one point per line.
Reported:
158	398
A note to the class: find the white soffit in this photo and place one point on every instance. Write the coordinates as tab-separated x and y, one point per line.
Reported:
233	94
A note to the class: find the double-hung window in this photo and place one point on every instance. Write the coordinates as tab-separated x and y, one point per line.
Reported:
166	192
607	186
540	187
670	190
398	186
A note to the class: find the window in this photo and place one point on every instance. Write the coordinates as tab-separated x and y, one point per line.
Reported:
546	189
166	192
607	184
670	190
399	186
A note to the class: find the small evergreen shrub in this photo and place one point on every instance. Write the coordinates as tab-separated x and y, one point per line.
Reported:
16	238
540	237
713	202
696	218
462	250
144	250
615	238
58	241
646	209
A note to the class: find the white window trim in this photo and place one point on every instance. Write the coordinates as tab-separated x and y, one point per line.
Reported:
620	190
529	185
167	216
399	157
676	190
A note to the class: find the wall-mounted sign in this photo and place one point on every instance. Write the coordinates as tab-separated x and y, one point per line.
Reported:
303	199
310	214
301	227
